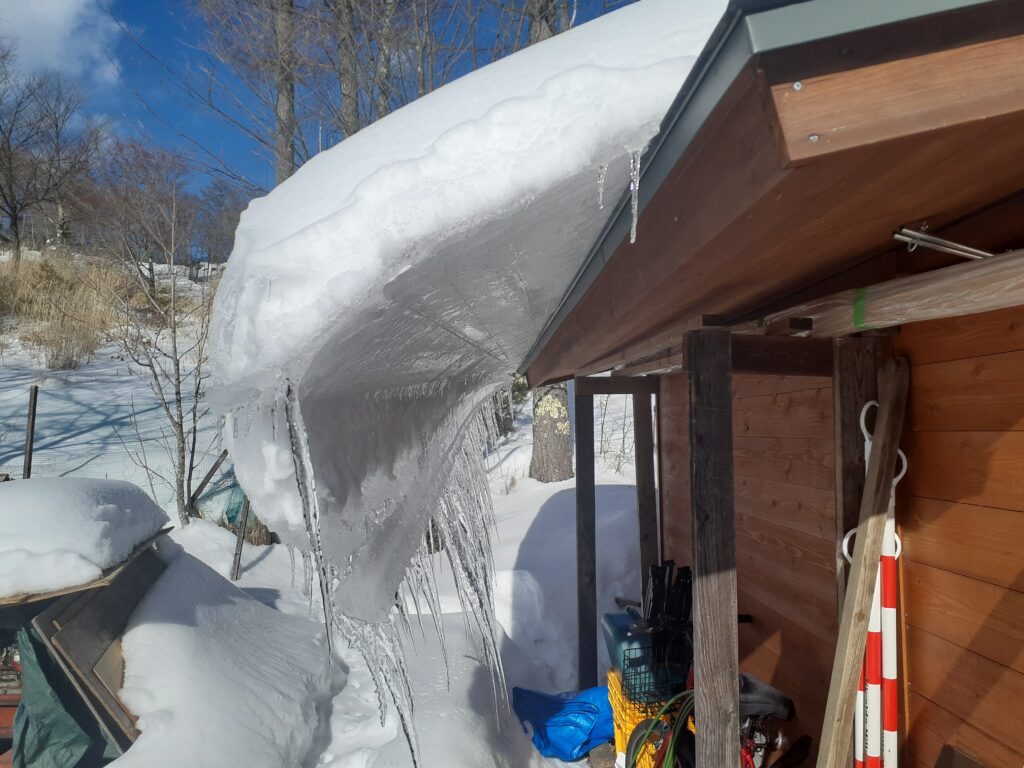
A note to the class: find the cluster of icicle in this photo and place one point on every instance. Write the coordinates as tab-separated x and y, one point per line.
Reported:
462	525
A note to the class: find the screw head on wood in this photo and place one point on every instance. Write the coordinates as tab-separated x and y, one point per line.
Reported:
814	137
797	85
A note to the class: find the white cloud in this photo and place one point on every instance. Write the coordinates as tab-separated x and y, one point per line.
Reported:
75	37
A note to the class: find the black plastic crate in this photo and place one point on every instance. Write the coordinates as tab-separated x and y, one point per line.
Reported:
656	672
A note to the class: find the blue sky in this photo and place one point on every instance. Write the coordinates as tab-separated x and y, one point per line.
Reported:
126	53
106	47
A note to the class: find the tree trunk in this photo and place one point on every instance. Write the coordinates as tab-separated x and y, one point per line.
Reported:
552	446
543	19
348	68
16	232
284	108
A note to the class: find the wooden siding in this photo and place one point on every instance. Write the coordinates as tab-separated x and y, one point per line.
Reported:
961	515
785	520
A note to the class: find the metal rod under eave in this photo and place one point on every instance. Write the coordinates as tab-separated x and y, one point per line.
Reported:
913	238
30	431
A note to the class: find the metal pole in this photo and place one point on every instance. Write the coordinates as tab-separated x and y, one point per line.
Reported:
243	523
30	431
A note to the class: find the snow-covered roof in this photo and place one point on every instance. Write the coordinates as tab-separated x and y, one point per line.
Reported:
61	532
397	278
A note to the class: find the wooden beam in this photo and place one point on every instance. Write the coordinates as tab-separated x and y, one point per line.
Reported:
716	649
646	501
764	355
836	744
616	385
963	289
854	383
909	96
586	543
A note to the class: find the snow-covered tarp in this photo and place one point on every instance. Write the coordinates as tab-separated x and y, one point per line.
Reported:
216	678
63	532
398	278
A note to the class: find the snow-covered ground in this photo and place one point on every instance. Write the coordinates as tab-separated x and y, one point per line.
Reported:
99	421
337	724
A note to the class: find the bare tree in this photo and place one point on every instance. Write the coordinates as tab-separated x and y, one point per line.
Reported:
163	318
45	144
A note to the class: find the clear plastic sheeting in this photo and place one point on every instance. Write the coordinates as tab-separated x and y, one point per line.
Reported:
397	279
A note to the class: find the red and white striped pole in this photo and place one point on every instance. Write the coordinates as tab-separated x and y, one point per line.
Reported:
873	681
876	717
890	691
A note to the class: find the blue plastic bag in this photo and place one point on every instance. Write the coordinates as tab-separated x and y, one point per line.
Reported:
566	725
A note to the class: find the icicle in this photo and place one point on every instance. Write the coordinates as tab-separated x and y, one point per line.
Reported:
381	648
600	186
291	559
307	492
634	192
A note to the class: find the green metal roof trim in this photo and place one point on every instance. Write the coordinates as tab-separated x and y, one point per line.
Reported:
748	28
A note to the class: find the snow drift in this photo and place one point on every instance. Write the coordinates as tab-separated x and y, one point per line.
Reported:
216	678
61	532
395	280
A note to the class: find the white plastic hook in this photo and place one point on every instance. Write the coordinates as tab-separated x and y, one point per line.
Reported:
850	534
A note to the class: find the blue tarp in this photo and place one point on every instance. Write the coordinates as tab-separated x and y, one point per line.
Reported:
566	725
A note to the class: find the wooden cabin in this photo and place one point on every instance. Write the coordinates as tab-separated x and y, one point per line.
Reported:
759	305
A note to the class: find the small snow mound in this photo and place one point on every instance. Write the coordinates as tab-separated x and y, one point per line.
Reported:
217	679
62	532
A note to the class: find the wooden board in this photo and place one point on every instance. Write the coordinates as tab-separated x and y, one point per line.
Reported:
586	546
895	99
801	461
714	547
85	639
750	385
108	576
974	394
809	510
646	499
931	728
43	623
980	542
957	338
836	746
983	618
981	468
979	691
803	414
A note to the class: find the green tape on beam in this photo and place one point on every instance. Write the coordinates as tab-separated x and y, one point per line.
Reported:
859	299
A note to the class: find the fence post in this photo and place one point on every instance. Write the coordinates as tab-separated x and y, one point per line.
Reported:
30	431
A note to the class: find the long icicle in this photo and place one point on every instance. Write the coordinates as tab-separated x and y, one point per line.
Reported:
310	506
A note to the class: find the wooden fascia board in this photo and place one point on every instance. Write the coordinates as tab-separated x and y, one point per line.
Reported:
822	115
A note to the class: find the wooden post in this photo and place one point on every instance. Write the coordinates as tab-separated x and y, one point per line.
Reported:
30	432
854	383
243	523
836	744
716	651
646	502
586	542
194	498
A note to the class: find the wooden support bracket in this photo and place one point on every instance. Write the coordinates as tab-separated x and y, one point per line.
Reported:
894	381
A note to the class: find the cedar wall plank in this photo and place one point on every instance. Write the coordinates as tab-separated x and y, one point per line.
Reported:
932	728
803	414
972	614
980	692
980	542
976	394
961	517
785	537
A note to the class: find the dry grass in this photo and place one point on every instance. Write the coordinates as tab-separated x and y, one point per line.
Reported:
57	309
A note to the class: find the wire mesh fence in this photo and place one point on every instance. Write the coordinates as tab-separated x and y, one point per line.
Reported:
101	431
